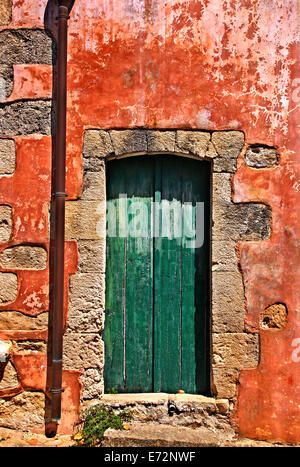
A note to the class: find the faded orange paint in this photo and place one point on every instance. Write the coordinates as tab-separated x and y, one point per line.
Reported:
31	82
32	372
205	64
28	193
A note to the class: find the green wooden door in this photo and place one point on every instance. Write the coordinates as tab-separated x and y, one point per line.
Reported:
156	332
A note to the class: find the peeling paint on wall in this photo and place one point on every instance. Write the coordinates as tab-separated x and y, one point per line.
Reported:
201	64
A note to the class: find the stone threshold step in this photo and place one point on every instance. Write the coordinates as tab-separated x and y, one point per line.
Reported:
161	435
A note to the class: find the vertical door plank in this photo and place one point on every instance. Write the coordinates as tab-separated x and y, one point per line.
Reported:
202	289
167	279
188	271
159	333
195	277
115	301
139	277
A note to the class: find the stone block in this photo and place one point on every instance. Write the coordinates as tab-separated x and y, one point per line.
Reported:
224	381
235	350
5	223
8	287
190	410
27	117
24	257
82	351
223	406
94	185
245	221
14	320
92	164
25	411
8	376
86	304
6	80
26	46
161	141
274	316
224	256
211	153
28	347
92	381
91	256
228	310
5	12
97	143
261	157
188	403
193	142
85	220
129	141
7	156
228	145
221	190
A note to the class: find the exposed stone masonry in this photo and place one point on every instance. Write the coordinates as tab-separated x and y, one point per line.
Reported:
232	347
7	156
5	12
261	156
8	287
6	81
5	223
23	118
274	316
24	257
21	46
17	320
154	92
26	408
26	46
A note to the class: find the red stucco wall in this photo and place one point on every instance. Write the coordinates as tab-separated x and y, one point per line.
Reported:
200	64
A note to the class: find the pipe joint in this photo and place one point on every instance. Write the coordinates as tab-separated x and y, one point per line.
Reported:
63	12
68	4
63	16
56	390
60	194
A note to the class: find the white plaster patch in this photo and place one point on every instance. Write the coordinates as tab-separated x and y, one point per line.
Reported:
33	301
203	119
296	352
4	350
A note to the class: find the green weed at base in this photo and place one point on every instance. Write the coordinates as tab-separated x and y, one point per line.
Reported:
96	420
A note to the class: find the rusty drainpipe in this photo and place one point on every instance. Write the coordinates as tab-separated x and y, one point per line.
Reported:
64	8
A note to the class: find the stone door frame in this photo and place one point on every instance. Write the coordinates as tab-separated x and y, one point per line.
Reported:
232	347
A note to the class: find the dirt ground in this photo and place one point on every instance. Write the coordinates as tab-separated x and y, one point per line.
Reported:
12	438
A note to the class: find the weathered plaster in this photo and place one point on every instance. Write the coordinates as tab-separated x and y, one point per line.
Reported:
207	64
232	348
